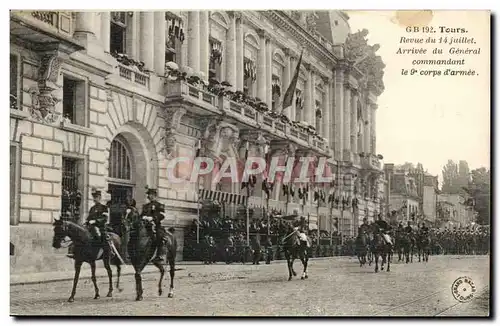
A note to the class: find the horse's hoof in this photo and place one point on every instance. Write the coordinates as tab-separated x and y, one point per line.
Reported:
306	277
120	290
170	295
290	278
302	277
97	296
294	274
160	292
139	298
71	299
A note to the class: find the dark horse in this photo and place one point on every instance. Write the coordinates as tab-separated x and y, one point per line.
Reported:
86	250
294	248
423	246
382	249
362	246
141	249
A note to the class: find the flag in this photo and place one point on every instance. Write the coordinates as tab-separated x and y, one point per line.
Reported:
288	98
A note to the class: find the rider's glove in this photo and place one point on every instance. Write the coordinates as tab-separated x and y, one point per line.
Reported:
92	222
147	218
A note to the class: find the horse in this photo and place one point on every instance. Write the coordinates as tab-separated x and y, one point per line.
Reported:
362	248
141	249
423	246
382	249
294	248
85	250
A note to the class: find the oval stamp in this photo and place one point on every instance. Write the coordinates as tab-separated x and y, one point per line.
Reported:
463	289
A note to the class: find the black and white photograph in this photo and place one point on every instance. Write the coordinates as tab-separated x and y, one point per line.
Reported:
250	163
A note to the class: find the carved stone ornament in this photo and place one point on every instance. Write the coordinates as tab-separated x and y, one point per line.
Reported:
363	56
43	101
173	118
218	137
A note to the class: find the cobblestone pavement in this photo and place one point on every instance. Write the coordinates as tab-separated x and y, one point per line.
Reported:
335	287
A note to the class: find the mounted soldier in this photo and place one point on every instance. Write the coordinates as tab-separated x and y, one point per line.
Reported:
301	227
98	218
363	228
154	212
383	227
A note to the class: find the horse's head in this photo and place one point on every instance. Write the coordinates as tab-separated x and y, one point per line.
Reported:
60	232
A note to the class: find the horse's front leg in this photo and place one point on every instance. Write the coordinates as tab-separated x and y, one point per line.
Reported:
304	272
376	262
138	285
110	276
389	264
118	273
78	267
94	281
162	274
384	257
171	262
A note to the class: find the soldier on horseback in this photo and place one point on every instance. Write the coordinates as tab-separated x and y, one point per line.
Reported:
155	212
98	218
363	228
383	227
424	229
300	227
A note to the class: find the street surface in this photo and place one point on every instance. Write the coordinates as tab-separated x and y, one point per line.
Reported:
335	287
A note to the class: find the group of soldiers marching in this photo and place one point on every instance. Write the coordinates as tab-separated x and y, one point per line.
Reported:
98	221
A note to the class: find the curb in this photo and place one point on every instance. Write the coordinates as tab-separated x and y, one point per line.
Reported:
178	268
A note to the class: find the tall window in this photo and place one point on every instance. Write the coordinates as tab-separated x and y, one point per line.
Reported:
215	59
319	115
74	99
175	37
72	181
250	76
14	82
118	31
119	161
276	91
299	104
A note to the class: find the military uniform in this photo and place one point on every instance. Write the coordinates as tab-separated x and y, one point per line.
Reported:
97	219
301	227
156	211
383	227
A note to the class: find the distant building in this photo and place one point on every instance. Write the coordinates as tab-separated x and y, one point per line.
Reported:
454	210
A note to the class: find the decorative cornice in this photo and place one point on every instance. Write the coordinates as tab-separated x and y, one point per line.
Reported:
303	37
235	14
263	34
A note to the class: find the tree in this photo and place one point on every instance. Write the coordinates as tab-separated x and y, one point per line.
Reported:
450	178
479	194
463	174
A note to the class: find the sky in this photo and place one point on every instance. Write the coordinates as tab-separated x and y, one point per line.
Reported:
431	119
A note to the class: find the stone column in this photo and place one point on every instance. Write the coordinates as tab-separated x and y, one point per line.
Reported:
193	36
105	30
293	108
286	82
347	121
306	114
261	68
204	55
354	121
367	126
312	105
373	133
331	109
269	73
326	110
231	45
240	47
84	24
131	36
339	113
159	39
147	39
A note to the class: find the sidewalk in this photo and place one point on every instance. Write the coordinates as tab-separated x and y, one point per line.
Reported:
184	268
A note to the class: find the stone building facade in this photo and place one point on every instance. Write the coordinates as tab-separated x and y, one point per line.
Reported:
94	102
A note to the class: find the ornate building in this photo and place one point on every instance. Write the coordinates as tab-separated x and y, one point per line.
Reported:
106	99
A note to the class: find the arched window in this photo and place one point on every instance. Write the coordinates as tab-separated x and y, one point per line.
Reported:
120	167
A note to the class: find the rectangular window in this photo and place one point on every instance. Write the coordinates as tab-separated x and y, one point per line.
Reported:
72	182
250	76
174	39
74	100
216	54
14	82
118	31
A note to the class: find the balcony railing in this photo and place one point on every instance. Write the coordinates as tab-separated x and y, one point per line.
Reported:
62	21
132	74
243	113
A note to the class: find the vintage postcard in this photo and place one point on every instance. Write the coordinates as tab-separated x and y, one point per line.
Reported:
250	163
